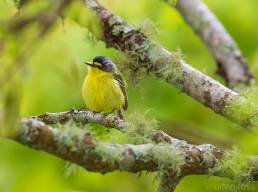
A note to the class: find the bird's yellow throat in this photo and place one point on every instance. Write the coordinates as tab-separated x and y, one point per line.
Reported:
101	92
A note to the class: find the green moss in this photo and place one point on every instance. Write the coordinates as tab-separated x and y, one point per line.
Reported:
70	169
141	129
107	152
131	69
71	133
173	66
168	157
243	108
251	93
149	28
170	67
234	166
243	111
146	57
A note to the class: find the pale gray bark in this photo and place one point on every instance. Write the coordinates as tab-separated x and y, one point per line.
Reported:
84	116
168	182
232	65
167	66
84	150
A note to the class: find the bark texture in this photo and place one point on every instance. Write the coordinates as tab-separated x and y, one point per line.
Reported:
175	157
167	66
232	65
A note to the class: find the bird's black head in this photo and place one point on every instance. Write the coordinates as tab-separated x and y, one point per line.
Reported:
103	63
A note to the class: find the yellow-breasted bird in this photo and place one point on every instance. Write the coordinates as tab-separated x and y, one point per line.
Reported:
103	89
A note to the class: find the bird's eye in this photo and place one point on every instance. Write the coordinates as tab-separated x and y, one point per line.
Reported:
103	67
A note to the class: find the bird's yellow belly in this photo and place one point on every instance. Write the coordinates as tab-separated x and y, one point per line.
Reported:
102	94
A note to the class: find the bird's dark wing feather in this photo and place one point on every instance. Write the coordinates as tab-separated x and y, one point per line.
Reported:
121	84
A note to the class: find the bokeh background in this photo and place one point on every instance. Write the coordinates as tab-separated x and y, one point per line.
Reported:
51	79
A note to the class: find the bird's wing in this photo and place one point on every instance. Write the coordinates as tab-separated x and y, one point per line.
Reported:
121	84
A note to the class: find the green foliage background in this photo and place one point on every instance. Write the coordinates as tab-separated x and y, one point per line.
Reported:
52	77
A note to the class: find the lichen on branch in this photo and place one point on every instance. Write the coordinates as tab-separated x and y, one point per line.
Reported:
165	154
232	65
167	66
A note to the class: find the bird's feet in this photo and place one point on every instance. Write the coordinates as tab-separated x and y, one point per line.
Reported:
77	110
109	113
82	109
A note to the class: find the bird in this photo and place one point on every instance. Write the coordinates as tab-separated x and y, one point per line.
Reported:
103	89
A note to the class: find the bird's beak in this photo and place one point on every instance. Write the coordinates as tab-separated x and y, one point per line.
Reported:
90	64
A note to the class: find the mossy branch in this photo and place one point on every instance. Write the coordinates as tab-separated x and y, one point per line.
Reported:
84	116
168	182
173	157
232	65
166	65
109	121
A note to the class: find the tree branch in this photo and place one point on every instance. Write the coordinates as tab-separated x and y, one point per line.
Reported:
84	150
167	66
111	121
168	182
232	65
83	117
175	158
206	155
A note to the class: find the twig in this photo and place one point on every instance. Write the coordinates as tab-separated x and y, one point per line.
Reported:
165	65
83	117
232	65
